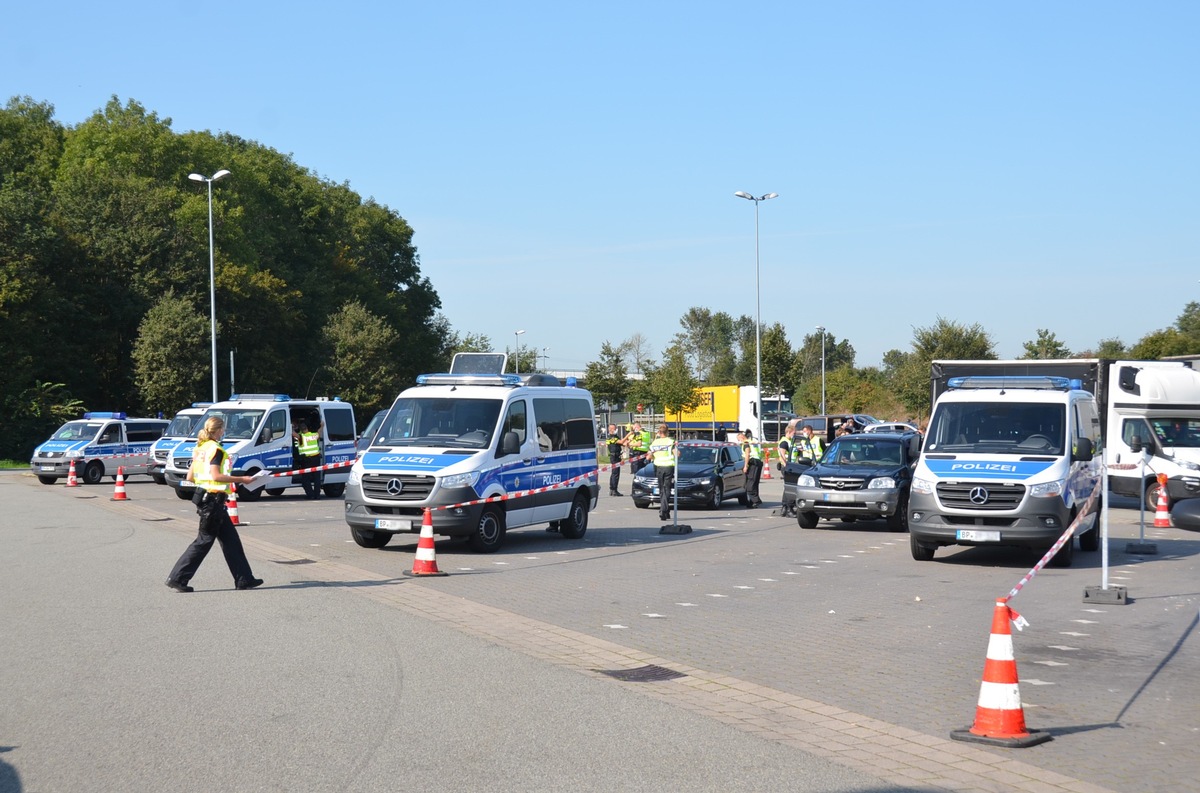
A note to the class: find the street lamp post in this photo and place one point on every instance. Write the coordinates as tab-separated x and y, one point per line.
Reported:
517	353
757	307
212	272
821	330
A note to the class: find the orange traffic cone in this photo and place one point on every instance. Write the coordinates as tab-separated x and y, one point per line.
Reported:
999	717
766	462
71	480
231	507
425	562
1162	514
119	490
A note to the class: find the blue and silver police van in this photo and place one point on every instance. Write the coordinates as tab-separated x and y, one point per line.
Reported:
475	433
98	444
183	425
258	438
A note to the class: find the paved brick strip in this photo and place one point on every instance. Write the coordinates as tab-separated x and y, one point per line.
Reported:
890	752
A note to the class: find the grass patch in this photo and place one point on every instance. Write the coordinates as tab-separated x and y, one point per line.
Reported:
12	464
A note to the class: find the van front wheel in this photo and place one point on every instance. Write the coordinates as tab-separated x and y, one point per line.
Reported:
488	535
575	526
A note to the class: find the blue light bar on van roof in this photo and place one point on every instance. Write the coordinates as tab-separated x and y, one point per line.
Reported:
1012	381
202	404
260	397
469	379
120	416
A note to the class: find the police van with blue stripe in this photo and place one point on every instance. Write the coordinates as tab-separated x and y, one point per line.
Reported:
186	423
258	438
526	440
98	444
1008	460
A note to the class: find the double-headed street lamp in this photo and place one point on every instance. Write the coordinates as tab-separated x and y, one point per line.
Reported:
757	306
212	277
517	352
821	330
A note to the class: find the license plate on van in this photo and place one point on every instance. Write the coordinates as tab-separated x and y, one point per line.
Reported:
393	524
47	467
978	536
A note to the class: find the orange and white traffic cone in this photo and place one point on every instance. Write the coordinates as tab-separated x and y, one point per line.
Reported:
999	717
425	562
231	507
119	491
766	462
1162	513
71	480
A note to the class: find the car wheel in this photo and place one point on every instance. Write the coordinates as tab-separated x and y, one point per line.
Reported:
488	535
920	551
369	539
718	495
898	521
1090	540
159	479
274	492
575	526
1065	555
1152	489
334	491
849	518
246	494
93	473
641	504
47	480
807	520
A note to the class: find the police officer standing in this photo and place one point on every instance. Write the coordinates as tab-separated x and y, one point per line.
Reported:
663	452
753	466
210	472
810	446
615	448
308	455
638	441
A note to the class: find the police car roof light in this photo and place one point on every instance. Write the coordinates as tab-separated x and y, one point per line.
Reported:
1009	381
262	397
104	415
445	378
202	404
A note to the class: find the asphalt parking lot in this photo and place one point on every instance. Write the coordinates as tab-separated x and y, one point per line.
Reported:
805	627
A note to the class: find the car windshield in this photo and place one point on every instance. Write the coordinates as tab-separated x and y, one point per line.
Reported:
997	427
77	431
440	421
239	424
867	452
1177	432
181	426
698	455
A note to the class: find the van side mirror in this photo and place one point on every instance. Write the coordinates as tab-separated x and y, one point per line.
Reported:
510	444
914	446
1083	449
1135	444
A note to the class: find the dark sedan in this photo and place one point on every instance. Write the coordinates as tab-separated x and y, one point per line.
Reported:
708	472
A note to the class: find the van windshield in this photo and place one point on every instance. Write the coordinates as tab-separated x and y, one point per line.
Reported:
440	421
239	424
1177	431
997	428
77	431
181	426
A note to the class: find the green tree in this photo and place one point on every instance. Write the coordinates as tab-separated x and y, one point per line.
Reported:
944	340
777	358
1109	348
607	378
33	415
361	352
1045	347
672	384
1160	344
171	367
707	340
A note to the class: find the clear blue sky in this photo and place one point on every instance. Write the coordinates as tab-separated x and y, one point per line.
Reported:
569	168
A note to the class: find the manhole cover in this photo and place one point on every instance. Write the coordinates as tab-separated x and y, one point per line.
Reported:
296	561
643	674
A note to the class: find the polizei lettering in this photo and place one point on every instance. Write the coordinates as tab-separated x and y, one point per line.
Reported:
406	458
1007	468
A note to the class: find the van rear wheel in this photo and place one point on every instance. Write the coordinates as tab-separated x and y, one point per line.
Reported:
369	539
334	491
575	526
93	473
488	535
47	480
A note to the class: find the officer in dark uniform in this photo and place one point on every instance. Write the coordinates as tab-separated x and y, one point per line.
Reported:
615	448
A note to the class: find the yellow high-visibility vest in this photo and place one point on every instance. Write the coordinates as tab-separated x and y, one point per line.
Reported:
663	450
201	461
308	444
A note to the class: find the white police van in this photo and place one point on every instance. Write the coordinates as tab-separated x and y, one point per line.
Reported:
258	437
526	440
99	443
183	425
1007	461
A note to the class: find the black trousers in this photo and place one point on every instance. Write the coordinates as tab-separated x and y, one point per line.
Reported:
666	478
614	477
215	526
753	472
311	482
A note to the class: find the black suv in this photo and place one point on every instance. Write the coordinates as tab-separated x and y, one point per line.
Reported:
864	475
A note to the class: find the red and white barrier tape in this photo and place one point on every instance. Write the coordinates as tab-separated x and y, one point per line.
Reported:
1066	537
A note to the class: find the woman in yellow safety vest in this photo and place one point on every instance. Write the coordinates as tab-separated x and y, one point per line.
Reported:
210	472
663	453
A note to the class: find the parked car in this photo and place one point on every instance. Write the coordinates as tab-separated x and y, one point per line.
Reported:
865	475
825	426
890	426
707	473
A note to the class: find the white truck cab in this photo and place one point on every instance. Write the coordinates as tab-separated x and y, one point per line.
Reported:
526	440
258	437
98	444
1007	461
